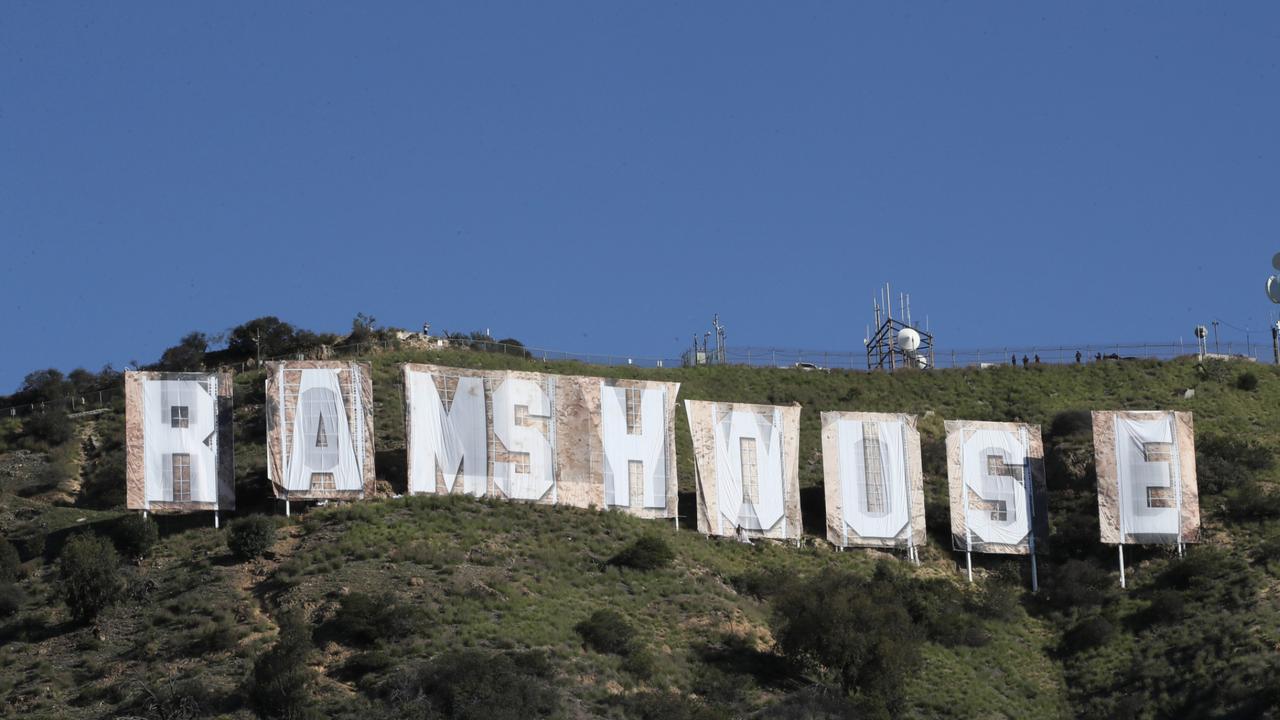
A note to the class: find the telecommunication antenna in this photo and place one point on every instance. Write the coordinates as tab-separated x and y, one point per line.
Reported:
1273	292
897	342
715	323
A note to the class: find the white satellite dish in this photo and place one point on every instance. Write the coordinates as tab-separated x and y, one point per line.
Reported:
1273	289
908	340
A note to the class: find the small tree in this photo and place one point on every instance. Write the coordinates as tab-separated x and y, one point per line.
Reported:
267	335
281	686
51	427
856	630
89	575
649	552
187	355
363	329
135	535
607	631
364	619
251	537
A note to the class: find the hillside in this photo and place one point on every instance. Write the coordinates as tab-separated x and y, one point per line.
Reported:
417	602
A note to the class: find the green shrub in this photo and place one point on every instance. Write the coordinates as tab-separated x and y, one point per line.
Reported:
10	563
135	536
282	681
607	631
1167	606
763	583
1250	500
1091	632
852	629
474	685
365	619
1247	381
657	705
251	537
640	663
173	698
649	552
1077	584
11	599
89	575
49	428
1071	422
1224	462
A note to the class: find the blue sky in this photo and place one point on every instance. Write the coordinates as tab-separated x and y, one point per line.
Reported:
603	176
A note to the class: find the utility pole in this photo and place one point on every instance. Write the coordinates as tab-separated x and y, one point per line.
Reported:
1216	348
257	342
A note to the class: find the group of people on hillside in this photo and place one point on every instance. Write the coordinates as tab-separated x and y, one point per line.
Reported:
1013	359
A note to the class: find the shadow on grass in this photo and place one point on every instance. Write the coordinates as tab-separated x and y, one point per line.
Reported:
33	630
737	654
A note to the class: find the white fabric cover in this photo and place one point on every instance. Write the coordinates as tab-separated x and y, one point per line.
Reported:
649	447
1134	475
320	410
894	520
161	440
453	439
540	479
1015	528
735	511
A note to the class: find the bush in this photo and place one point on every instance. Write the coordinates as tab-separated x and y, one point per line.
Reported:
1247	381
187	355
1094	631
474	685
1167	606
763	583
89	575
135	536
11	599
1077	584
666	706
10	563
1251	501
251	537
174	699
51	427
1071	422
855	630
607	631
282	681
649	552
365	619
1224	462
640	662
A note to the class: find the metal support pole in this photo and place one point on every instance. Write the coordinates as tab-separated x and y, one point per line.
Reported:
216	525
286	507
144	514
1035	578
968	561
1121	547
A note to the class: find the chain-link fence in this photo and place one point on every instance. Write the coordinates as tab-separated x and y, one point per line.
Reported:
771	357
